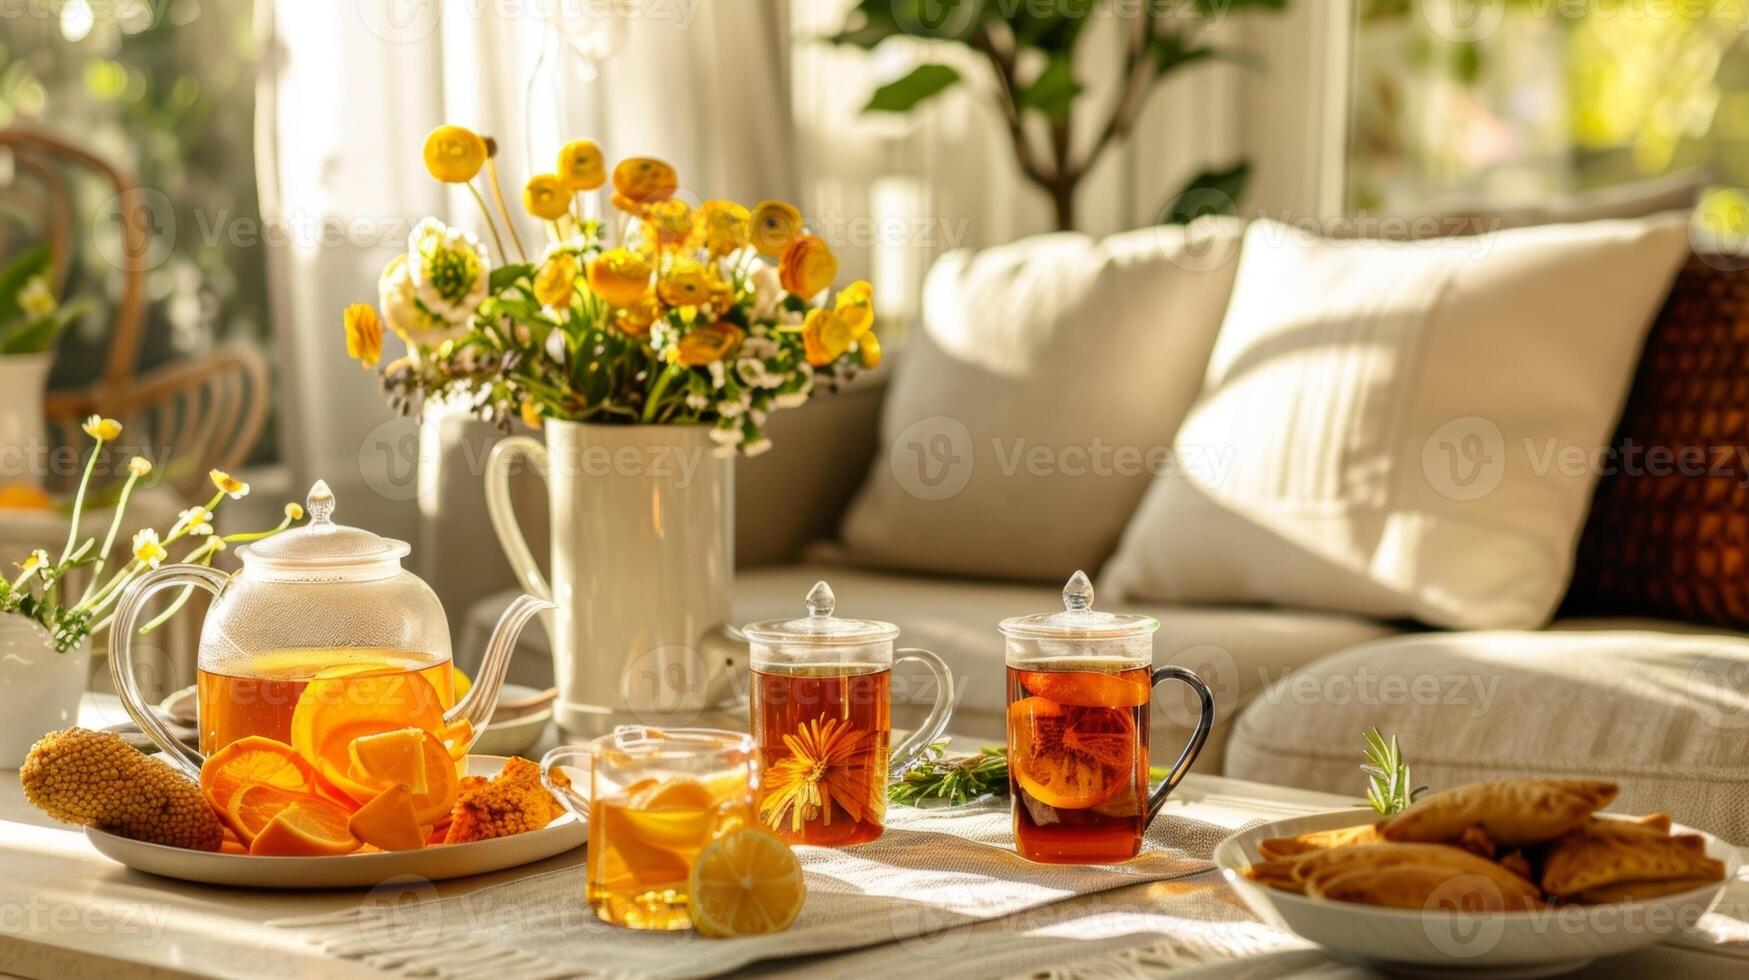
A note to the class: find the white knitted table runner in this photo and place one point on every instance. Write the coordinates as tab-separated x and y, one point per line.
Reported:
930	872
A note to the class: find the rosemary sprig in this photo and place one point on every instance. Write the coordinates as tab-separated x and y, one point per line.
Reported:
952	781
961	780
1387	775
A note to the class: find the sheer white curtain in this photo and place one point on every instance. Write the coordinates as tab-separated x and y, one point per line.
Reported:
346	100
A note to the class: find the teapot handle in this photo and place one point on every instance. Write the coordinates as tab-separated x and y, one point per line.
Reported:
121	653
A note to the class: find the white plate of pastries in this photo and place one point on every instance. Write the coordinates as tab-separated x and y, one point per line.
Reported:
1519	877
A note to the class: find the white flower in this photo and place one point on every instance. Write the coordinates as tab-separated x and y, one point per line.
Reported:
767	290
757	446
401	308
556	346
730	408
725	452
33	561
757	415
197	521
147	550
36	299
718	376
449	269
727	435
759	348
663	335
139	466
793	399
697	402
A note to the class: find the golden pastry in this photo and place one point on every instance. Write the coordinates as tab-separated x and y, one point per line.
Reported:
1314	870
1318	840
1607	852
1433	887
1640	891
1512	812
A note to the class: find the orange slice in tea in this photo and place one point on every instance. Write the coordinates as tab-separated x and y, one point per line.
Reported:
1085	688
308	828
678	813
745	883
254	759
390	757
254	805
389	821
1070	757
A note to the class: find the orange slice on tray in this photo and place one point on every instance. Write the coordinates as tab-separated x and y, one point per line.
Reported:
254	759
1071	757
255	804
389	821
745	883
307	828
344	704
396	756
1085	688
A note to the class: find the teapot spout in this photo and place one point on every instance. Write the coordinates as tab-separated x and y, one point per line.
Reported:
476	709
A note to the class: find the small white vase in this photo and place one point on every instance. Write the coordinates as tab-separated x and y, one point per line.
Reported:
23	454
39	687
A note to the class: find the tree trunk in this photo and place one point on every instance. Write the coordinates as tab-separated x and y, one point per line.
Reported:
1063	201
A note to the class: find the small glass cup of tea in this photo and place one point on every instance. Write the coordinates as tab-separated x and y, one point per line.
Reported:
821	704
657	797
1079	687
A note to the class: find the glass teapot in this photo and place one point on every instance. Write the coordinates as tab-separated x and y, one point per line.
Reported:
320	613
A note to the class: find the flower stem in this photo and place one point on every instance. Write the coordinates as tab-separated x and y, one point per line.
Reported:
79	498
667	376
491	226
121	504
498	198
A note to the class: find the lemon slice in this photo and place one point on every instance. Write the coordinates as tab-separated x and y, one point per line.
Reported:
745	883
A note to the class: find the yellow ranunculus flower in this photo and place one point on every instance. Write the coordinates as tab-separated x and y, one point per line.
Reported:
364	334
581	166
708	343
102	429
147	549
856	305
825	337
530	413
637	318
807	267
454	154
228	484
774	225
686	283
556	280
641	181
619	276
868	349
670	221
546	196
724	226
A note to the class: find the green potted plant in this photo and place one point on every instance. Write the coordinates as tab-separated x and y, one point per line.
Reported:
1031	52
32	317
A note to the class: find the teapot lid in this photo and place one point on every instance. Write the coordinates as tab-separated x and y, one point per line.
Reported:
1078	620
820	626
321	543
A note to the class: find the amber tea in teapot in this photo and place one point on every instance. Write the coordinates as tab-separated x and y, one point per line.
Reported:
258	694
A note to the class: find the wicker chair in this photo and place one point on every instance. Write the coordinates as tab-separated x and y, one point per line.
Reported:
205	412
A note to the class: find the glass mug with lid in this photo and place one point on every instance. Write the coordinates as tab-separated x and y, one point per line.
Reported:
821	704
1080	684
321	637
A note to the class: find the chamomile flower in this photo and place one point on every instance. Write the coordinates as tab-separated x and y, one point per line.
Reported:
229	485
102	429
33	561
148	550
197	521
139	466
294	511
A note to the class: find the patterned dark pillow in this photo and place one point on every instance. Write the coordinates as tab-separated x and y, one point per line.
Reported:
1668	533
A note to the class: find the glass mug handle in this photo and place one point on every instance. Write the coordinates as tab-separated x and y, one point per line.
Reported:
1157	798
121	653
577	756
910	752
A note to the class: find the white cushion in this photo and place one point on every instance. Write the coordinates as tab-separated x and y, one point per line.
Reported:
1024	422
1664	714
1379	420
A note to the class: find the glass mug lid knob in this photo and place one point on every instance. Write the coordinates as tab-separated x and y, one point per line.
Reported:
820	626
1078	619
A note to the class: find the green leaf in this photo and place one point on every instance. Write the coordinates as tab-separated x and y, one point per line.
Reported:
903	95
30	262
1209	192
1052	92
505	275
1052	28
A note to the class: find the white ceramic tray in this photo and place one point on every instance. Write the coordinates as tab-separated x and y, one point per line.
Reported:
349	870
